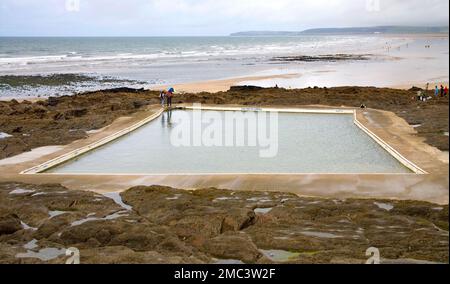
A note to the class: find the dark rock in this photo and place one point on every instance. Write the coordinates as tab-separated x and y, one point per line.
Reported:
139	104
9	224
17	129
245	88
78	112
415	89
53	101
233	246
322	58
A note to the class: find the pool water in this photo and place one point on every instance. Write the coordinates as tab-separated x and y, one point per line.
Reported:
307	143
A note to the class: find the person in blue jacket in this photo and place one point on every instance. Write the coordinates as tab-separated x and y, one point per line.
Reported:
169	95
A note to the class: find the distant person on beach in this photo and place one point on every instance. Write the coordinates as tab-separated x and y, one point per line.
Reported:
436	91
162	97
446	91
442	91
170	96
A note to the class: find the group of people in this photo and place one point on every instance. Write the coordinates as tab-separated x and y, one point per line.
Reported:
438	92
166	97
441	92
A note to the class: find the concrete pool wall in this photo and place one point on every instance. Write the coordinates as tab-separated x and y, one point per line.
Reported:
432	187
42	168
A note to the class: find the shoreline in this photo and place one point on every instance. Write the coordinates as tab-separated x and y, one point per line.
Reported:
224	85
392	64
219	85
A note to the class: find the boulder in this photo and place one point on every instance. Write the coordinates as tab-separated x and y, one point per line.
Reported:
9	224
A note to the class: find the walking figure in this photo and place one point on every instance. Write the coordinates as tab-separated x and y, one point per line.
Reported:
169	95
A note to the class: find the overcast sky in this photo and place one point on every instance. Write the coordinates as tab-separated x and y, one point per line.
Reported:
207	17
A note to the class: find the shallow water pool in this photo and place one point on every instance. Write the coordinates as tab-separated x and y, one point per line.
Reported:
306	143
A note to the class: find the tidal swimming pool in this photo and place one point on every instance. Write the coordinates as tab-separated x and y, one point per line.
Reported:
305	143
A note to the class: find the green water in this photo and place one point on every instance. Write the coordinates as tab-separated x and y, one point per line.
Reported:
307	143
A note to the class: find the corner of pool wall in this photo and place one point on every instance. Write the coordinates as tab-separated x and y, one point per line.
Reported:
394	153
78	152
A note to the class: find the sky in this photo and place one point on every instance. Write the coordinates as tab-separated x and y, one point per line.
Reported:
207	17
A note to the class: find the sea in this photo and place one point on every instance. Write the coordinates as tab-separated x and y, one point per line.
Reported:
35	67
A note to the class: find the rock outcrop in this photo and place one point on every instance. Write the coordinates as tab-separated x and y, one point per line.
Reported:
39	222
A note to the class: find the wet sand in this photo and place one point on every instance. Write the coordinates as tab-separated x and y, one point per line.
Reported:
215	86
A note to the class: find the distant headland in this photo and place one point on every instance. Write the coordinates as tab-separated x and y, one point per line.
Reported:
350	30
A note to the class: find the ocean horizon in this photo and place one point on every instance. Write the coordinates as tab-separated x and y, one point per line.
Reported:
77	64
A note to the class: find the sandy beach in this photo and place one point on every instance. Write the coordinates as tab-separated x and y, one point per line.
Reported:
224	85
215	86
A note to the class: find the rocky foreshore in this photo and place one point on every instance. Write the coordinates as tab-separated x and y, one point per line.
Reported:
323	58
164	225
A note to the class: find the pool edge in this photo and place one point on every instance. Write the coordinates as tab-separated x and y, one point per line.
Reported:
40	169
83	150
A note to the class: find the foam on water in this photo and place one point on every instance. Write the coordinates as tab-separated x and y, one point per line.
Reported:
162	60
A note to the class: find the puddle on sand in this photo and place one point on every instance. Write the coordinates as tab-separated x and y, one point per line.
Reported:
279	255
260	199
320	235
175	197
225	198
26	227
385	206
262	210
21	191
114	216
229	261
282	238
54	214
48	193
31	245
118	200
45	254
4	135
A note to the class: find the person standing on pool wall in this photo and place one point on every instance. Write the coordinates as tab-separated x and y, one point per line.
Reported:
162	97
170	96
